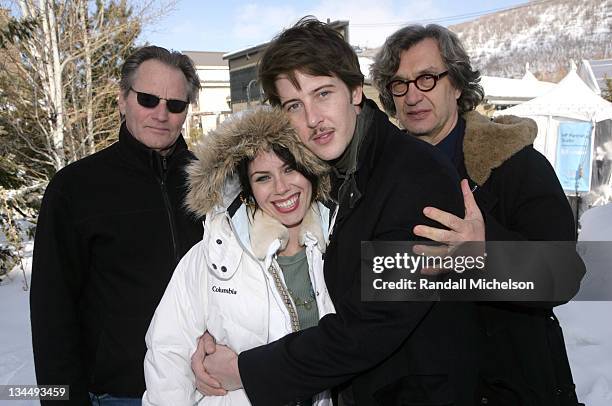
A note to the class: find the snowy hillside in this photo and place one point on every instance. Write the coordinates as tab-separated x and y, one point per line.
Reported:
545	33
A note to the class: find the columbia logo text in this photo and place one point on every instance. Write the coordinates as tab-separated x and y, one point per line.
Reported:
229	291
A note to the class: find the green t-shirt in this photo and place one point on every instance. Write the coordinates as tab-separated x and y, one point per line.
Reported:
297	279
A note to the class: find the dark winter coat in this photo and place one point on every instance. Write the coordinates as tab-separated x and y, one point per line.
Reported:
112	228
400	352
524	358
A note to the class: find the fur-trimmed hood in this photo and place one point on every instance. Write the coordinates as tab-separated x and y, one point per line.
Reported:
488	144
213	175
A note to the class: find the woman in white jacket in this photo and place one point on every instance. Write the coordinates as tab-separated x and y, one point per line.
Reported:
257	275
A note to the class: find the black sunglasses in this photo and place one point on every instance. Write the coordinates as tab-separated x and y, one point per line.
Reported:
424	83
151	101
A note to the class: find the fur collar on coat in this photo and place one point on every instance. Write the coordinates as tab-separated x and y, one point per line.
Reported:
264	229
488	144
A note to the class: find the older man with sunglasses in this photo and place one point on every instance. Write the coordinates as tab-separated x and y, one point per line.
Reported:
111	230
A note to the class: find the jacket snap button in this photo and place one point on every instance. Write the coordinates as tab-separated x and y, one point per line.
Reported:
219	241
223	269
214	266
558	392
484	400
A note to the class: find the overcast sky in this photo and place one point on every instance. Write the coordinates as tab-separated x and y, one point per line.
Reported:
229	25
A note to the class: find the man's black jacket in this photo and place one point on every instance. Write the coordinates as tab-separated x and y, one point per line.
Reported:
111	229
524	361
399	352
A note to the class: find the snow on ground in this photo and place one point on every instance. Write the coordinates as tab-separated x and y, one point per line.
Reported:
16	360
586	326
588	338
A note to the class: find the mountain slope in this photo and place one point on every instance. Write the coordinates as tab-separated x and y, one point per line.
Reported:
544	33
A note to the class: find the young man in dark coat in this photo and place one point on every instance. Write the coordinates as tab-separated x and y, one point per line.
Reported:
394	353
425	79
112	228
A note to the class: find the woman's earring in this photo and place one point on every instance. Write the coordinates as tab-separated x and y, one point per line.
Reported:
247	201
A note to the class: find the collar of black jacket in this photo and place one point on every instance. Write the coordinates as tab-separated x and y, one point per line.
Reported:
344	185
346	164
135	150
367	159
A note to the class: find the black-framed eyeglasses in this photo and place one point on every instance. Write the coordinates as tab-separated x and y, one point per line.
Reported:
150	101
424	83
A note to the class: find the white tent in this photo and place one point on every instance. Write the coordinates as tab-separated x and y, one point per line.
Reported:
571	98
570	101
509	92
504	91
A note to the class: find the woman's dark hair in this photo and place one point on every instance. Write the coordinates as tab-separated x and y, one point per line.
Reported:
285	156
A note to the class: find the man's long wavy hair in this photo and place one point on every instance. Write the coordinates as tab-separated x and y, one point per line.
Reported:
457	61
310	47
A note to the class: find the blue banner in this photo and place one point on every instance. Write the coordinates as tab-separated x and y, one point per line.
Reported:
573	164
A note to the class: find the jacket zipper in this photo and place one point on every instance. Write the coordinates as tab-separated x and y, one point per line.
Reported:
287	300
164	191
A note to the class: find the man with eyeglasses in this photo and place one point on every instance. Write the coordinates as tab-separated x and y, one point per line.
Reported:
112	228
511	193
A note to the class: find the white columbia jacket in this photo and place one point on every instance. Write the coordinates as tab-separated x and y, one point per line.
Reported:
230	283
225	284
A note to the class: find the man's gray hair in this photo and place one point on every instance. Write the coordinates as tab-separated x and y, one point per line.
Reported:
171	58
457	61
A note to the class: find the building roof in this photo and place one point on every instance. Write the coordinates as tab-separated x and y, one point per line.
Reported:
245	51
339	25
594	72
206	58
601	69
